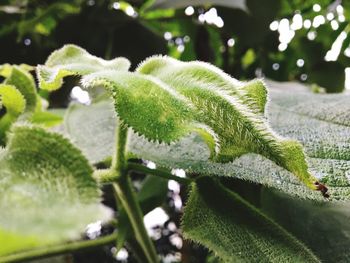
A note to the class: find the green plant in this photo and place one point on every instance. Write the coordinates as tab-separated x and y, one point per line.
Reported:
186	115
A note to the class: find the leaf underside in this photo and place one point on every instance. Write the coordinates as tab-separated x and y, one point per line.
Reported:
48	194
319	122
235	230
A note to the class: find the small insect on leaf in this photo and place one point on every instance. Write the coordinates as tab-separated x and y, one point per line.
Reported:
323	189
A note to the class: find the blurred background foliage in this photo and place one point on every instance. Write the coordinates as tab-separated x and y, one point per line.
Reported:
284	40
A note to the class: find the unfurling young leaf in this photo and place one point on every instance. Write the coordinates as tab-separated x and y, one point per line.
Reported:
234	111
19	97
48	194
150	107
145	104
73	60
178	97
24	82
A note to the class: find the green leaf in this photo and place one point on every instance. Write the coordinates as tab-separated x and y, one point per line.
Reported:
92	128
46	118
152	193
170	98
148	106
233	114
48	194
323	227
319	122
12	99
14	103
73	60
24	82
235	230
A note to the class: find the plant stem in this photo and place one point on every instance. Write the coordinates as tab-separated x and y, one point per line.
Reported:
127	197
119	159
59	249
158	172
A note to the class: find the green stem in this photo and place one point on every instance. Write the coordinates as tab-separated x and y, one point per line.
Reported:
59	249
119	160
158	172
127	197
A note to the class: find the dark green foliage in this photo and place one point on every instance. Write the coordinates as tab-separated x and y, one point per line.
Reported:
235	230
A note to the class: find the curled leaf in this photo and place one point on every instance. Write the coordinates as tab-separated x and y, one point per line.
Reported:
14	102
233	110
24	82
146	104
73	60
150	107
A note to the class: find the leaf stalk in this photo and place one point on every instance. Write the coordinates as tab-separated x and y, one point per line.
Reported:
126	195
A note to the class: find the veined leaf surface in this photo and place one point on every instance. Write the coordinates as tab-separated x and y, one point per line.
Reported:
319	122
235	230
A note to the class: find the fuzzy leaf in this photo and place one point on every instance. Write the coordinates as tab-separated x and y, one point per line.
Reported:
320	122
92	129
186	96
24	82
6	69
48	194
46	118
14	102
233	111
323	227
145	104
12	99
235	230
73	60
